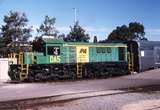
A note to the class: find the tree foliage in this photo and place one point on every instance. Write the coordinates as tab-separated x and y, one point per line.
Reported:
38	44
48	27
137	30
15	28
77	34
1	42
61	36
133	31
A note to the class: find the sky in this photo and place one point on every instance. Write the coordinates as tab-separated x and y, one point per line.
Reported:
97	17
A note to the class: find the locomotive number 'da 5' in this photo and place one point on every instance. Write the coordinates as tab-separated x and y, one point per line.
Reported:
54	51
55	59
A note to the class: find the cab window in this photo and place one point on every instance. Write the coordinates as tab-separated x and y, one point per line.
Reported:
53	50
103	50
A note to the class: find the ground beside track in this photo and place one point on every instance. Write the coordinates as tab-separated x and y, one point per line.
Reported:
146	100
34	90
143	98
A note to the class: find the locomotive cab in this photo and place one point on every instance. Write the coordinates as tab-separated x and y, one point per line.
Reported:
48	51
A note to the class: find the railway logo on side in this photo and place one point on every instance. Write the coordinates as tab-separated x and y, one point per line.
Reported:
82	54
84	51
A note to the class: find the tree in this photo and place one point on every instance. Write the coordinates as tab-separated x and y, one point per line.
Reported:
137	30
133	31
77	34
1	42
95	39
38	44
61	36
120	33
48	27
15	28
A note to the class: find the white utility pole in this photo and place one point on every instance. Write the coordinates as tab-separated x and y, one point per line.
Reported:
75	15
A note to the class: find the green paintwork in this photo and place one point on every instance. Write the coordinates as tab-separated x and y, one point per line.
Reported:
68	52
102	57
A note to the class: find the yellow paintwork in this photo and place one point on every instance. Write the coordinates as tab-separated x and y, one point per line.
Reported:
82	53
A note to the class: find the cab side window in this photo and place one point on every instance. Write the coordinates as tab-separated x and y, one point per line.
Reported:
53	50
103	50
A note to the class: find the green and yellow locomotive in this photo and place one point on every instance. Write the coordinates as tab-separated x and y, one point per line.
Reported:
69	60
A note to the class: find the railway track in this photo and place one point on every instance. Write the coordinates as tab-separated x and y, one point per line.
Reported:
155	108
32	103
